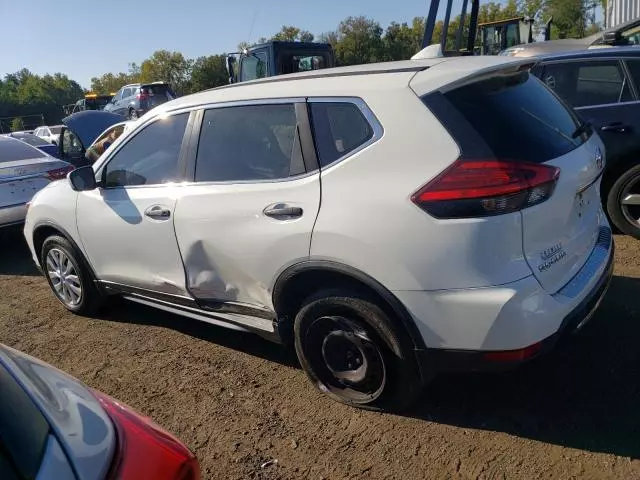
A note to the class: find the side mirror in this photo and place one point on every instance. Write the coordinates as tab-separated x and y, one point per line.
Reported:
83	179
613	38
231	61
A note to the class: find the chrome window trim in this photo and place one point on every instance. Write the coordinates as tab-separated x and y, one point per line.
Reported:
369	116
606	105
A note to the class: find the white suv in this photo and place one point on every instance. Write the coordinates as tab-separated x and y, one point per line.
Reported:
391	221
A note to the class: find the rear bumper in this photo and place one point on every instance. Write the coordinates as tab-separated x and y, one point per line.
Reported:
489	328
443	360
13	215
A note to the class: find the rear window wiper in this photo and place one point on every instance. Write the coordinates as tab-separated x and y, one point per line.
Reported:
584	127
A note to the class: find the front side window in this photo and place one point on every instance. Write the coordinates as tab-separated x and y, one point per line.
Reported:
151	157
339	128
588	83
254	65
249	143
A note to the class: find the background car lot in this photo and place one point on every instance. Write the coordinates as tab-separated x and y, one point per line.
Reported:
239	401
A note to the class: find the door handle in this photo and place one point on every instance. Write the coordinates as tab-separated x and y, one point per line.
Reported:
282	211
616	127
158	212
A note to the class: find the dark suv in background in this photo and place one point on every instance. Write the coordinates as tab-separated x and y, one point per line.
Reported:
136	99
603	86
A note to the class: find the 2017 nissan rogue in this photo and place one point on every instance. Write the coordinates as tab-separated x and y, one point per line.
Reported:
390	221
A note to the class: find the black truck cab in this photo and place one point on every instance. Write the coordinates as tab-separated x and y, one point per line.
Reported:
278	58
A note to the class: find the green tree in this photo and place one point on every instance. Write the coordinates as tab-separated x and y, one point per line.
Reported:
359	40
167	66
402	41
17	124
23	93
209	72
570	17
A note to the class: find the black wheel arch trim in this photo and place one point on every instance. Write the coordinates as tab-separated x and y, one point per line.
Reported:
73	243
330	266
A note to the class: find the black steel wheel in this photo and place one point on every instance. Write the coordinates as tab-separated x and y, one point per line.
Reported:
354	352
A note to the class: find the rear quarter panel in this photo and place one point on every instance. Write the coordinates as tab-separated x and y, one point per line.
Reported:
367	219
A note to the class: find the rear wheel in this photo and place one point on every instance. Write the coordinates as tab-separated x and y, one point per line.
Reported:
351	351
133	115
623	202
69	278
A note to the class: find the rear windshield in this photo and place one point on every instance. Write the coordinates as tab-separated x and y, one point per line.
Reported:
13	149
31	139
97	103
23	431
518	117
158	89
55	130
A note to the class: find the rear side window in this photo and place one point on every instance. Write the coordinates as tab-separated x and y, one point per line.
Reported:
12	150
339	129
588	83
517	117
249	143
23	431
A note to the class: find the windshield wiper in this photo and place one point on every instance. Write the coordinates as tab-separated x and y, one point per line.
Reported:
584	127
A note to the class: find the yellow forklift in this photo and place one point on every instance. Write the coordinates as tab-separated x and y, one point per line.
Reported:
494	36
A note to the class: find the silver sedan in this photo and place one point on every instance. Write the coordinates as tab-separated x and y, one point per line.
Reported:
23	171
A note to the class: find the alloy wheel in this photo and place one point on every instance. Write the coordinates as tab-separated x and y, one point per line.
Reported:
64	277
630	201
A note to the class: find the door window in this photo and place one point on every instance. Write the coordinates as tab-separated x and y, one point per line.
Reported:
254	66
634	69
249	143
588	83
151	157
339	129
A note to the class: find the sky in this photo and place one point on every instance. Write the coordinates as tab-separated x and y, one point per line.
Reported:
86	38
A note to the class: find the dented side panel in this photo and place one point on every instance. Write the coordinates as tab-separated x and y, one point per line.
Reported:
231	250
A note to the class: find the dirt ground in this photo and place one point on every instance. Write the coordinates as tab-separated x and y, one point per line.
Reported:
239	401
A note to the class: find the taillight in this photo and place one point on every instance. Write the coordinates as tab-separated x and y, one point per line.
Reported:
142	96
482	188
59	173
145	450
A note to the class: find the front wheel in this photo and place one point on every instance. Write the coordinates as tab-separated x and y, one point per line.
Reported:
623	202
351	350
70	280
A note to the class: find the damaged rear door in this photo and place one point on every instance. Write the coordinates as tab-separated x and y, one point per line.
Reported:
251	209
